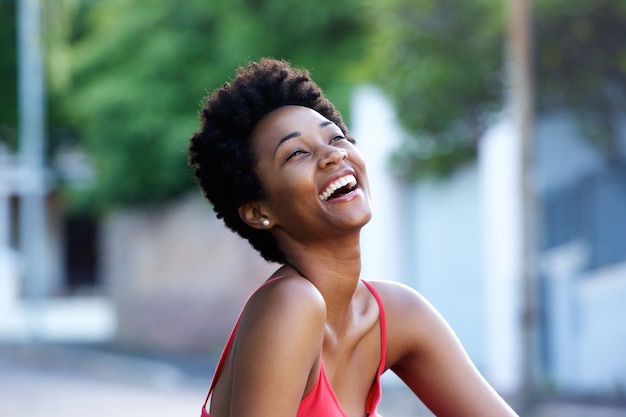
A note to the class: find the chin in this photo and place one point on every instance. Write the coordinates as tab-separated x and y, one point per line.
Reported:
365	220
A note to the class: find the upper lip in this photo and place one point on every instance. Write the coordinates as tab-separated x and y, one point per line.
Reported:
335	177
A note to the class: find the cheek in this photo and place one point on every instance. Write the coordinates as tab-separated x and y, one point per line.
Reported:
290	189
362	166
358	156
264	179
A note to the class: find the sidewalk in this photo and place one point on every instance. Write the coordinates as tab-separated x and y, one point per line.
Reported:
58	381
75	383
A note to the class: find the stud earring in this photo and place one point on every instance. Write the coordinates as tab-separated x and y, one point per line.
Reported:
265	222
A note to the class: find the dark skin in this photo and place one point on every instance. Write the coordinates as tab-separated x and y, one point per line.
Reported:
320	310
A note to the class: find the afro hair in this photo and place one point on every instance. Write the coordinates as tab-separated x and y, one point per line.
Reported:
220	152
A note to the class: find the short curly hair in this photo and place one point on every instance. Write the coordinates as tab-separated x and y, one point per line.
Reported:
220	152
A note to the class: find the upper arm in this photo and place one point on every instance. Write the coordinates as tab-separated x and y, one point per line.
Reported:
278	342
426	354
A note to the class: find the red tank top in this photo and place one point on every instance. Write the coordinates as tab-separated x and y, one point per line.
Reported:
322	401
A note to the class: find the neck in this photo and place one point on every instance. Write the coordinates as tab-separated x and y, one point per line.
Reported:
334	267
337	259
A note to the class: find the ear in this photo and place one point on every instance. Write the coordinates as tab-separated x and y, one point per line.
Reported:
255	215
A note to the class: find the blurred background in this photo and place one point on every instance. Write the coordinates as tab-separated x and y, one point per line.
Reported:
495	134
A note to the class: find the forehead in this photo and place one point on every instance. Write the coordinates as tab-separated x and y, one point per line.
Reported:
285	120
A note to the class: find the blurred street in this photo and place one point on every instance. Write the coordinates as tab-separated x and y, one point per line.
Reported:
495	140
72	383
75	382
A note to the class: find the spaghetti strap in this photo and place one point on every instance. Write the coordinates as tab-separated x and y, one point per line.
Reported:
229	344
374	396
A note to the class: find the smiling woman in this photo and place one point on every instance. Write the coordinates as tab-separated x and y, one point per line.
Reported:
303	159
276	160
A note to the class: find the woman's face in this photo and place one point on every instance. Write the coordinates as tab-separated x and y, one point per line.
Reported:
314	178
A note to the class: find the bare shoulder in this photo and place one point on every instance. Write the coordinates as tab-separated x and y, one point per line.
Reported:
395	291
286	302
411	320
286	316
276	349
425	353
400	299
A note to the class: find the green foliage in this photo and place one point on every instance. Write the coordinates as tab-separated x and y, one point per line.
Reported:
439	61
127	78
581	64
8	74
139	71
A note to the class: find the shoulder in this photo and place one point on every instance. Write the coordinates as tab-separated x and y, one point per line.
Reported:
291	294
425	353
277	348
413	324
281	332
290	306
400	298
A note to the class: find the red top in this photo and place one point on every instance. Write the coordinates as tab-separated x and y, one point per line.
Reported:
322	401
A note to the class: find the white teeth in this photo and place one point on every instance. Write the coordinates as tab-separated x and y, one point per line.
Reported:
335	185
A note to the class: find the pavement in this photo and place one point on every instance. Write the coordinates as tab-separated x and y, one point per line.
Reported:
57	381
73	381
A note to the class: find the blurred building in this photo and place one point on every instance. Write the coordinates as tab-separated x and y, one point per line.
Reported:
458	241
154	279
583	258
67	303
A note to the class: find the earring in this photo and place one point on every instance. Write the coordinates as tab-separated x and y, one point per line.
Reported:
265	222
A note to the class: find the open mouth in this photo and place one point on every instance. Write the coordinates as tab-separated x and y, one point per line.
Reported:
338	188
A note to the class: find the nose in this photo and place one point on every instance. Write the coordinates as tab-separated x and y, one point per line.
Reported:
332	156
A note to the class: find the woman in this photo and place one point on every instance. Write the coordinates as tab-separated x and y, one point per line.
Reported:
279	166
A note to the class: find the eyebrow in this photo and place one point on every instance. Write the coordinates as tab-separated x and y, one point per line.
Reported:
296	134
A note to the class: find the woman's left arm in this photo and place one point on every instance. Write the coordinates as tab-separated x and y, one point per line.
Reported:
425	353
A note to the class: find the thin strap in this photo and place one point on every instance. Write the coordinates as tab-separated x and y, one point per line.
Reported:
229	344
373	398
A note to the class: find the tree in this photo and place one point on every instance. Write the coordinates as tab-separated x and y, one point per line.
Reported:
581	66
441	63
128	78
139	71
8	74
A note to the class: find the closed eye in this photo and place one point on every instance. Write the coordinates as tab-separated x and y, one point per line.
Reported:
340	137
295	153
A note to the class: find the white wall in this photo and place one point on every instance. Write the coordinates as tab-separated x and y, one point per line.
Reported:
383	247
585	312
448	260
601	329
500	172
586	322
430	235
